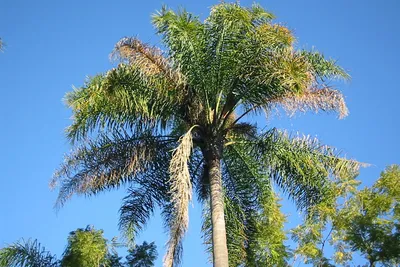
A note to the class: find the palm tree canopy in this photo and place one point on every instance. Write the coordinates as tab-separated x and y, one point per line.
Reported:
142	255
154	120
27	254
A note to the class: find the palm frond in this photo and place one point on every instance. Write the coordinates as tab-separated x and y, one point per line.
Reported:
324	68
149	58
325	99
108	162
123	97
182	33
137	208
301	166
181	194
151	190
27	253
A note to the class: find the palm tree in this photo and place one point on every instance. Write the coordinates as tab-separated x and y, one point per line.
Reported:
27	253
142	255
167	121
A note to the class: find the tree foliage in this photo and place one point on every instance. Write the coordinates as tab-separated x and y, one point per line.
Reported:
364	221
142	255
86	248
28	253
371	223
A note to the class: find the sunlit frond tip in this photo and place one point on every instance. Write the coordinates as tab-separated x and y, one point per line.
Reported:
150	59
325	99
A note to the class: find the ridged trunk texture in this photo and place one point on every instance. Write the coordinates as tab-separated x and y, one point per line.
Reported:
220	249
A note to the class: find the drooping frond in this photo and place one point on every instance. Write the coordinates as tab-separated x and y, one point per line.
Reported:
151	190
27	254
137	208
181	194
108	162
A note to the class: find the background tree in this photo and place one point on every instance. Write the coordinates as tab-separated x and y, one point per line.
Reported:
142	255
114	260
27	254
371	223
193	99
86	248
321	227
364	221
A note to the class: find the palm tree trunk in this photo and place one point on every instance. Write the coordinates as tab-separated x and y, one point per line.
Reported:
371	262
220	249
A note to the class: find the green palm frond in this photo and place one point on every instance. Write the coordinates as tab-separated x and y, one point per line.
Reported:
151	190
302	166
124	97
142	255
137	208
110	161
183	35
27	254
324	68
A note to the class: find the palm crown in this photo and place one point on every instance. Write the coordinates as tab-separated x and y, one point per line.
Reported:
164	121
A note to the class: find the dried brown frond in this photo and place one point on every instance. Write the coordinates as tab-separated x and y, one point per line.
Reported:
181	194
149	58
325	99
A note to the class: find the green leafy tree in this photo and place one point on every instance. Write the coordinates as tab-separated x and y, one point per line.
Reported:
142	255
371	223
366	221
170	122
86	248
322	226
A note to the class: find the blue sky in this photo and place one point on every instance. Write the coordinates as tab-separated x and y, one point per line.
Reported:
52	45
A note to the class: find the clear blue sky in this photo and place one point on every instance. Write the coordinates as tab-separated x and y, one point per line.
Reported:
52	45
